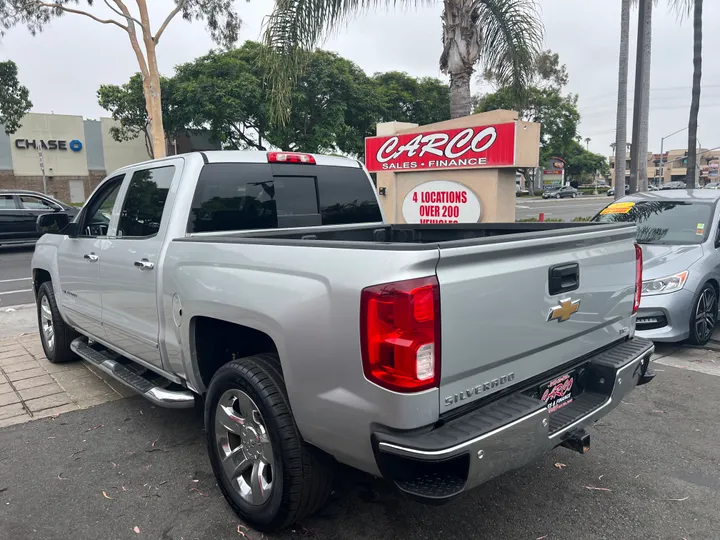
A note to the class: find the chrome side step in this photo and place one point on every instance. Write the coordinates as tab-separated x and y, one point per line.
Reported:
147	387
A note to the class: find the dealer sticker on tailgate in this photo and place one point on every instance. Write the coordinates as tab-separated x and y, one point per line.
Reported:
558	392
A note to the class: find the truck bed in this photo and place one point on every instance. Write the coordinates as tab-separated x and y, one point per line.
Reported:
406	236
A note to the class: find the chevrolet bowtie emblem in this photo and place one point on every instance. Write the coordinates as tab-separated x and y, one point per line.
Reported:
564	311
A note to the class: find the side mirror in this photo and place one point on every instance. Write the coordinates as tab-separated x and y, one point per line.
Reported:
56	223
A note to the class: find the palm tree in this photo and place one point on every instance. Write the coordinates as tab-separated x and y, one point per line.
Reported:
621	123
587	143
685	8
505	35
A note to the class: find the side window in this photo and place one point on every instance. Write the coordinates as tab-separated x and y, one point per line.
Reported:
144	202
7	202
36	203
98	211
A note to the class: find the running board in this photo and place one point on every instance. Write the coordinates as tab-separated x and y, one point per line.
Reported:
141	380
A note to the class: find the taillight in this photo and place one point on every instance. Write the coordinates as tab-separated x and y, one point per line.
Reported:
400	334
638	277
290	157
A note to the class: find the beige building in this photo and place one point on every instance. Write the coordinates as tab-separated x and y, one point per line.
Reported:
673	167
75	153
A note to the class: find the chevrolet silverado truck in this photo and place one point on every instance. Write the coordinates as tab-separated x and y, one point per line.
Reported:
267	287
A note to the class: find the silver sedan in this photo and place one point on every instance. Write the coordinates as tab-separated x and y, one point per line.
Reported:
680	238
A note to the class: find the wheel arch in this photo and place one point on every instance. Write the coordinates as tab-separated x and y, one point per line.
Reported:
215	342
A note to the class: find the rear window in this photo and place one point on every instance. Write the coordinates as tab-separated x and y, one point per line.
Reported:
242	196
662	222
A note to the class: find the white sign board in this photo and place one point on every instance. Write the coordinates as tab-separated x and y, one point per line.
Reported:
441	201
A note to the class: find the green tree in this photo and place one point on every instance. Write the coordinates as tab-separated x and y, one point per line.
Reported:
556	113
226	93
14	97
126	104
220	16
504	35
581	165
403	98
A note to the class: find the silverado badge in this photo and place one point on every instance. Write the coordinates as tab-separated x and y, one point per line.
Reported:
564	311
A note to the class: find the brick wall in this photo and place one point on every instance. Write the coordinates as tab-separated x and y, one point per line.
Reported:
57	186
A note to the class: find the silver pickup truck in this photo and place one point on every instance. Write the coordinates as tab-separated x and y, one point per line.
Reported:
267	287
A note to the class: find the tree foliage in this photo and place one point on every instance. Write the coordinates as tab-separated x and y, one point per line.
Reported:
334	104
14	97
582	165
126	103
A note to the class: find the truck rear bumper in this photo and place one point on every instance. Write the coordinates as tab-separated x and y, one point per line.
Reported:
437	463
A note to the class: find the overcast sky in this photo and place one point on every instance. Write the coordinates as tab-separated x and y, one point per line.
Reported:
64	65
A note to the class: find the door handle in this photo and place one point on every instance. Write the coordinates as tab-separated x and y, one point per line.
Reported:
91	257
144	264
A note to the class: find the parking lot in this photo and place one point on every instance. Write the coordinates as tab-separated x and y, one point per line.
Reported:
127	469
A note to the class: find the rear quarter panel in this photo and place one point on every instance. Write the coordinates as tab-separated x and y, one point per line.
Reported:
307	299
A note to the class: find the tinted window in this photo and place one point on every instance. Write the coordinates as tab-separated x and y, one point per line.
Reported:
663	222
239	196
144	202
7	202
35	203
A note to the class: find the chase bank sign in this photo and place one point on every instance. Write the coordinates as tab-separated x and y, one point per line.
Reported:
50	144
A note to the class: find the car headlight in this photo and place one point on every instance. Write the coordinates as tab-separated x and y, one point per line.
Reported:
664	285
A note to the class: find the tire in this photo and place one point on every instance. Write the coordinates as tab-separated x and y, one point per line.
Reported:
55	334
299	480
574	195
557	196
703	316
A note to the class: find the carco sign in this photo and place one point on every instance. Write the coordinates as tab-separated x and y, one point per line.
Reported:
472	147
441	201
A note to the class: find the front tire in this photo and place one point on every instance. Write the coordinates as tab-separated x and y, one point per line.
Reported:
557	196
55	334
704	316
574	195
270	477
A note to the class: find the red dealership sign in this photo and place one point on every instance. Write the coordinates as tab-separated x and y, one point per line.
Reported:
473	147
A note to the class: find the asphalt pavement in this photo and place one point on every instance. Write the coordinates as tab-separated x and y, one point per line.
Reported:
15	278
565	209
127	469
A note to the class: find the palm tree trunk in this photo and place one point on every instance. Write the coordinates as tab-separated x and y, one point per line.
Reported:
621	124
460	99
642	178
695	103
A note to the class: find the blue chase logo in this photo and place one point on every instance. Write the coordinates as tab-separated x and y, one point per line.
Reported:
75	145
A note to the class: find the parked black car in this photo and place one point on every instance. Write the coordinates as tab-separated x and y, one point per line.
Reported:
611	191
19	211
560	193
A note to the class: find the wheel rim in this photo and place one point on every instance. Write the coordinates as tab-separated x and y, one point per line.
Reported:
46	323
706	314
246	454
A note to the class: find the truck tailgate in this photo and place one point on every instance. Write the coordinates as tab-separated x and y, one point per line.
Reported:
498	323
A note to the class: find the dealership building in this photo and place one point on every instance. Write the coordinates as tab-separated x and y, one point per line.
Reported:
76	154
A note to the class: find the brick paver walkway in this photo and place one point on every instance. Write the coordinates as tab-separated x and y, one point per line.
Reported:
31	387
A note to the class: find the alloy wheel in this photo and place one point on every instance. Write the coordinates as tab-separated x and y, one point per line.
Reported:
706	314
245	449
46	323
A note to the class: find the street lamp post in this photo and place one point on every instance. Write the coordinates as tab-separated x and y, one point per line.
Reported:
662	143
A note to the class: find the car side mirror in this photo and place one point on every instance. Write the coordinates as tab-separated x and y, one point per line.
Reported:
56	223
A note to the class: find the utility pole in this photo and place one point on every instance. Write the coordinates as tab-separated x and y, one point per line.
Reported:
638	97
42	168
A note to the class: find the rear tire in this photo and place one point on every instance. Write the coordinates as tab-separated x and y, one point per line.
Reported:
288	479
55	334
703	316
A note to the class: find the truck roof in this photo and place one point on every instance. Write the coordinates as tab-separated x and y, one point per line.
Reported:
254	156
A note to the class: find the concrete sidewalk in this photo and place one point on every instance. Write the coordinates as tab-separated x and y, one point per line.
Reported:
31	387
